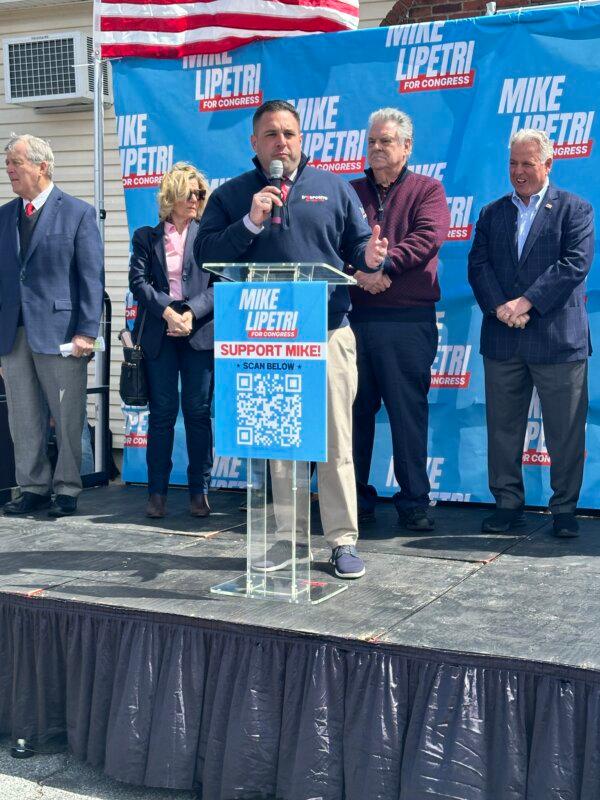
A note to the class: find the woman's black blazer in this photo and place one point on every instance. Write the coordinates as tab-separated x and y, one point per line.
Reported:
149	283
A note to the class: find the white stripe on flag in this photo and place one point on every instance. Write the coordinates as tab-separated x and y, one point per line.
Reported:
185	37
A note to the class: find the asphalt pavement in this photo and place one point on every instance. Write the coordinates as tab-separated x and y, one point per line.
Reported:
61	777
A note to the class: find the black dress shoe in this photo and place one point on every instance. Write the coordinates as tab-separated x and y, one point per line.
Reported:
62	506
503	520
366	515
565	526
26	503
416	519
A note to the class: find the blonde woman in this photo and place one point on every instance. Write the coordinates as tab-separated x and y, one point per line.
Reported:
175	317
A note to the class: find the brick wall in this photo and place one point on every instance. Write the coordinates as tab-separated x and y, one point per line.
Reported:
422	10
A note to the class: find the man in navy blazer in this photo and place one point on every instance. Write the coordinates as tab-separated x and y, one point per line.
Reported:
531	254
51	293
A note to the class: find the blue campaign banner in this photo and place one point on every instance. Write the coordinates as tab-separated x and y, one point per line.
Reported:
271	370
467	85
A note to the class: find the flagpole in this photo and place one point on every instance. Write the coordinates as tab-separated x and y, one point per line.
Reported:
100	370
98	126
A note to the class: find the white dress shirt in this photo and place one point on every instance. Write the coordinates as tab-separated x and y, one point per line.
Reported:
526	214
39	201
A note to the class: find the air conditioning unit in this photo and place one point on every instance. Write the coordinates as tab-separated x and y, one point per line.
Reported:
54	70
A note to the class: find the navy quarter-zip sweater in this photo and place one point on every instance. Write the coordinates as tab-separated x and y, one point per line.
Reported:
322	221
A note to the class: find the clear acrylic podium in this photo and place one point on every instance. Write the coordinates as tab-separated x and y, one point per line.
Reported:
278	493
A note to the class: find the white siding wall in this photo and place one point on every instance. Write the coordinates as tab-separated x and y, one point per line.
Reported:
71	136
373	11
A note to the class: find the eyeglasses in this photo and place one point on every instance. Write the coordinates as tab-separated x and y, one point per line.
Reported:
199	194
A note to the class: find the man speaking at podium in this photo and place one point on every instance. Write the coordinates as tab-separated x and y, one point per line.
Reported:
318	218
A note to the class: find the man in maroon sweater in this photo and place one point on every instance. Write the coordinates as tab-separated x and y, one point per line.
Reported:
393	316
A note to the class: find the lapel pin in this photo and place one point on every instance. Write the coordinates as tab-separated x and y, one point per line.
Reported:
548	205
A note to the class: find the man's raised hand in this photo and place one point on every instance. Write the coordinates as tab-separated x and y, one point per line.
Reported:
376	249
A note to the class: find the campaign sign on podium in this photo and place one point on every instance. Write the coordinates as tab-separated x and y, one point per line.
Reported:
271	408
271	370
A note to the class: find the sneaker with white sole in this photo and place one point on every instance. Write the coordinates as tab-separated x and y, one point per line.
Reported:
346	562
279	556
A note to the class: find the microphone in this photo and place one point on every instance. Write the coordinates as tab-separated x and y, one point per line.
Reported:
275	176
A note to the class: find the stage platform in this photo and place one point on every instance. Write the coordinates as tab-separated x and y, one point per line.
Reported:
463	665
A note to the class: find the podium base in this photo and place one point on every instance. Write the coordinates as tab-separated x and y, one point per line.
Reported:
279	587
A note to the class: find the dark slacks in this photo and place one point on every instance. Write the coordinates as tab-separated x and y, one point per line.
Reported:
563	393
177	359
394	358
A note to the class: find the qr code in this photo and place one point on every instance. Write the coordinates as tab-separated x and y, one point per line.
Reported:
269	409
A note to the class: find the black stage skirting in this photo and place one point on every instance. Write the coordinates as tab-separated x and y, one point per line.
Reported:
251	714
243	711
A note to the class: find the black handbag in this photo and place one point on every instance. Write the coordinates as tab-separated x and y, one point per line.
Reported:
133	385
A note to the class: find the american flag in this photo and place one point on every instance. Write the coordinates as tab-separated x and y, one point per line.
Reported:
167	29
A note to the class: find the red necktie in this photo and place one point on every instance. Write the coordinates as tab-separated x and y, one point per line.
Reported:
29	209
285	188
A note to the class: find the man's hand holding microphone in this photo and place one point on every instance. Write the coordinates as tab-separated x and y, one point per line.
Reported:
267	202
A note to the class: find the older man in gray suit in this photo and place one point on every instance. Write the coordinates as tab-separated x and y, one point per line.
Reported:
51	290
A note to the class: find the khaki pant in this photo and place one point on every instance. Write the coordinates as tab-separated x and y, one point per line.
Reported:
337	485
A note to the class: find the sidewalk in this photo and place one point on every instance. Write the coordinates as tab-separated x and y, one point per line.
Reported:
60	777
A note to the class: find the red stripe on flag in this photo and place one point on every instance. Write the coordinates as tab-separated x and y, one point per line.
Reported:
334	5
246	22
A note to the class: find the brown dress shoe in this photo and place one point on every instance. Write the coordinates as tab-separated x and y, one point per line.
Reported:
199	505
157	506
